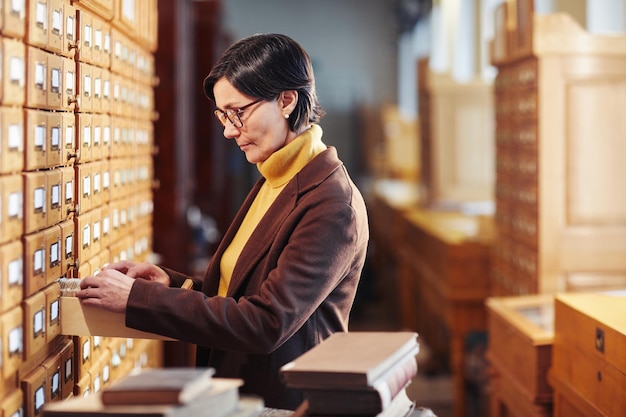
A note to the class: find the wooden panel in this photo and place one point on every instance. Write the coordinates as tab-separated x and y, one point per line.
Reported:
521	330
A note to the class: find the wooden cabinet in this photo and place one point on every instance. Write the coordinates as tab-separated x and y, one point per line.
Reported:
561	207
443	269
589	366
456	137
521	332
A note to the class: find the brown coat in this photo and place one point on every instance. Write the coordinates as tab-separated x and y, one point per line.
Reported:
293	285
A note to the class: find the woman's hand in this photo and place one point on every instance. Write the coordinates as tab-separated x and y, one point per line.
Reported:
109	290
144	270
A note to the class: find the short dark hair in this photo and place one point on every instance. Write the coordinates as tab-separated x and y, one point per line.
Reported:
265	65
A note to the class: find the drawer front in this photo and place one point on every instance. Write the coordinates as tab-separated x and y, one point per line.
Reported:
594	380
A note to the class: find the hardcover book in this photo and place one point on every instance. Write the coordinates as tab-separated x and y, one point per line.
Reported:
350	359
159	386
367	400
221	399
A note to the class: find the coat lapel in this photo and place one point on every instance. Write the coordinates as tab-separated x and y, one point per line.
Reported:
261	239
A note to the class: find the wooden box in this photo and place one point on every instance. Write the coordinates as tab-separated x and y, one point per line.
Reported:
588	370
521	331
79	320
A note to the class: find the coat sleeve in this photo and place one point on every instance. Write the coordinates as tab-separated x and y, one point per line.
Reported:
317	266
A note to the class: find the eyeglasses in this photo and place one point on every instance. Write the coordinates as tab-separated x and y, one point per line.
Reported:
233	115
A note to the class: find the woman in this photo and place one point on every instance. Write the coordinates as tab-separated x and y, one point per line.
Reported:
285	275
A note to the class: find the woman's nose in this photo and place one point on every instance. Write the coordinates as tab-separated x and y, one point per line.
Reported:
230	131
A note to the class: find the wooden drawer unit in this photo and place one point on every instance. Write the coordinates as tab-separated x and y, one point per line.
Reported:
37	23
507	401
36	134
12	140
521	331
35	262
54	145
588	360
53	311
12	404
34	325
11	207
13	18
35	208
12	327
12	266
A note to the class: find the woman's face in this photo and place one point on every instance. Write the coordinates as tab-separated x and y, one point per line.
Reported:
264	130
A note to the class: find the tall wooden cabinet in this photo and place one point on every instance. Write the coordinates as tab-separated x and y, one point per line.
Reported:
561	204
456	138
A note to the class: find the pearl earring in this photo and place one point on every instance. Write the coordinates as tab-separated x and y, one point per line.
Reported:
287	116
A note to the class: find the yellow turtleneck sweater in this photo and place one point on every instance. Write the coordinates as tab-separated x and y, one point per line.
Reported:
277	170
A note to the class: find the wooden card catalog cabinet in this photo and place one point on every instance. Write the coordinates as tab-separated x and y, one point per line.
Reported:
58	158
561	204
521	331
588	370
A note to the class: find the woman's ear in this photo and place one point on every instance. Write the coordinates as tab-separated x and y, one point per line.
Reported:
288	100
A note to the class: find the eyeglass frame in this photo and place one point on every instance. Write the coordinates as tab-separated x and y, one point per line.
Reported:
233	115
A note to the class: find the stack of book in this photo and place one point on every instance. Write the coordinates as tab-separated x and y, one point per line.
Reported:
163	392
356	373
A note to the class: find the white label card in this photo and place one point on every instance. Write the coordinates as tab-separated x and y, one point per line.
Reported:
41	13
87	186
87	135
38	261
69	135
55	195
15	272
40	75
55	252
69	30
69	82
16	340
15	205
54	310
16	70
15	141
55	80
57	17
40	137
55	137
69	191
39	199
86	236
38	322
69	242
